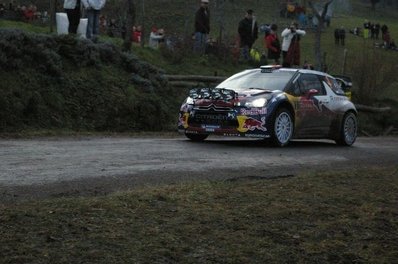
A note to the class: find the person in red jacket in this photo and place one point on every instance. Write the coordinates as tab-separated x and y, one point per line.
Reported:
273	45
136	34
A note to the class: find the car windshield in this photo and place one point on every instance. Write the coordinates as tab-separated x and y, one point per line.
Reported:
275	80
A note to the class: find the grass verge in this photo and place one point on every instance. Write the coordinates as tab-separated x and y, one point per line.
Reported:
335	217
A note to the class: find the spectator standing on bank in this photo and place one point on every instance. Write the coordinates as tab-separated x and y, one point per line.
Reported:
248	33
291	45
377	30
387	39
72	9
202	26
156	36
384	29
366	27
342	36
93	9
337	36
137	34
273	45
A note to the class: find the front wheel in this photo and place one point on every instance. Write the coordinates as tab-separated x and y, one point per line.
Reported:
348	130
282	127
196	137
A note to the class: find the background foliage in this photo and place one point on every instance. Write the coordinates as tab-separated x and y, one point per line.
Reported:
53	81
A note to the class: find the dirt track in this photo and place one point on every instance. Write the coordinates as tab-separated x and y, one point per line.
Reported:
40	168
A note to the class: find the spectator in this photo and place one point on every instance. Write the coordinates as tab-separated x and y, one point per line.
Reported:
387	39
337	36
372	31
72	9
384	29
308	66
393	46
2	9
93	9
102	21
202	26
377	30
113	28
248	33
156	36
136	35
366	27
291	45
342	36
29	13
273	45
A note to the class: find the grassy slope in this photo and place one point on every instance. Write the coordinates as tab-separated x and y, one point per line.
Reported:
328	217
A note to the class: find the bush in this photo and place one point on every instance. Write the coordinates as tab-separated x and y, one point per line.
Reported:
68	83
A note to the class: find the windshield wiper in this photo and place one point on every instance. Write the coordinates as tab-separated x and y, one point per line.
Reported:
256	88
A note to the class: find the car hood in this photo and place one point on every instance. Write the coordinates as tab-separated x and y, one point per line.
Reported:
225	97
252	92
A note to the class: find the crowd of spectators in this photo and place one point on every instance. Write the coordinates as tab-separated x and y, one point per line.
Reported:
372	31
26	13
156	37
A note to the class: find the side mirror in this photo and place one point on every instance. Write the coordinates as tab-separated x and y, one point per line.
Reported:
311	93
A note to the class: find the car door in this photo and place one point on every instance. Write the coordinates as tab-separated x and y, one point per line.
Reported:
311	98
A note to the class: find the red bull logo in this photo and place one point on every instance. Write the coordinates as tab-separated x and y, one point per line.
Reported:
250	124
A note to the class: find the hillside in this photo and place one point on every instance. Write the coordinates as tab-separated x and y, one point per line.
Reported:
60	82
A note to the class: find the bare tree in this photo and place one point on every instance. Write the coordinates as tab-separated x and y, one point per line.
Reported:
130	20
373	3
319	65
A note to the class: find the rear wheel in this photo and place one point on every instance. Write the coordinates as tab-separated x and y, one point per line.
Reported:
348	130
196	137
282	127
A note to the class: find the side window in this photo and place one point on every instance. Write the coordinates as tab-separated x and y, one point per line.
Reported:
294	87
295	90
311	81
334	85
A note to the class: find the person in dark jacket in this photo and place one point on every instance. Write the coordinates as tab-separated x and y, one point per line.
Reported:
273	45
202	26
248	33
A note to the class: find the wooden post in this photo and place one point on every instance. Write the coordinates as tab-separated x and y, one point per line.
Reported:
344	61
52	12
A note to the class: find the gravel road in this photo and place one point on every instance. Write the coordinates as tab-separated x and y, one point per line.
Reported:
52	167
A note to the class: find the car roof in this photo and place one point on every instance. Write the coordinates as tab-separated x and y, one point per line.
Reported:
290	70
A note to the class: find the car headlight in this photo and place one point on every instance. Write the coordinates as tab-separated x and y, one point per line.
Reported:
257	103
189	100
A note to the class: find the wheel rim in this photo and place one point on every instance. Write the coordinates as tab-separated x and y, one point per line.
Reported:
350	129
283	127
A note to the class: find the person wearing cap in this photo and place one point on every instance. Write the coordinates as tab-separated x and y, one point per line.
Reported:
202	26
156	36
291	45
248	33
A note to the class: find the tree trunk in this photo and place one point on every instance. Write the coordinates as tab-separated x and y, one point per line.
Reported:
321	18
130	20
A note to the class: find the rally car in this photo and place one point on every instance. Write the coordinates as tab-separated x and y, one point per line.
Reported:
271	102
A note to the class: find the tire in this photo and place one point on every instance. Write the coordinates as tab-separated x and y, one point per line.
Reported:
348	130
282	127
196	137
